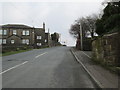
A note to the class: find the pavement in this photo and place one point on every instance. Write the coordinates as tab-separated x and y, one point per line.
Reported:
103	77
44	68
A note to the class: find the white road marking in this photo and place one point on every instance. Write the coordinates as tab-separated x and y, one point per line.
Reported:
13	67
20	64
86	54
91	75
40	55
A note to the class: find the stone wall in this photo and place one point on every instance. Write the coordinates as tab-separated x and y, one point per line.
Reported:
106	49
86	44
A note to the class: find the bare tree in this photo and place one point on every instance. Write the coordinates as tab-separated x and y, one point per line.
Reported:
87	25
75	30
90	22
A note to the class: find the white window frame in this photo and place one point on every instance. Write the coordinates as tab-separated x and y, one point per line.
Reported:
4	32
23	32
12	41
26	32
45	40
39	37
25	41
4	41
15	32
39	44
1	32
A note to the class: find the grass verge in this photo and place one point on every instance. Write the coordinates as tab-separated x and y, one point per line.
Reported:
112	69
13	52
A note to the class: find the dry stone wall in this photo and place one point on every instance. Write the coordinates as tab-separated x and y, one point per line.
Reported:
106	49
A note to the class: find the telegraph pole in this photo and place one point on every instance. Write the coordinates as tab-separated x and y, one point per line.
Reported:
48	37
81	38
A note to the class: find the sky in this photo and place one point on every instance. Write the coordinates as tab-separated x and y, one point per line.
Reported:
58	15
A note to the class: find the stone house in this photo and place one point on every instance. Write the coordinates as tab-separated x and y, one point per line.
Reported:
13	34
39	36
19	35
48	40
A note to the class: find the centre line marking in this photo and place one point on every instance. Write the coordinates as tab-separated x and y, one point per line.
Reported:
13	67
40	55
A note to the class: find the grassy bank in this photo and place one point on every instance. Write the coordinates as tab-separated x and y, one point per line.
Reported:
13	52
112	69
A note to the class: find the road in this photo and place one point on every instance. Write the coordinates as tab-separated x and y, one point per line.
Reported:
44	68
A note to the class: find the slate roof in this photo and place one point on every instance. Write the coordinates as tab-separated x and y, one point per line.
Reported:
18	26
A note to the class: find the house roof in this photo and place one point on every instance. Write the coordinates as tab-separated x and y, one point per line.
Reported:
16	26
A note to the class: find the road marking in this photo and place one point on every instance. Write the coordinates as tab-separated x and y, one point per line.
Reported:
86	54
13	67
20	64
89	73
40	55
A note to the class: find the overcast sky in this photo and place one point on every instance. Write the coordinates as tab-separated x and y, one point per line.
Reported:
57	15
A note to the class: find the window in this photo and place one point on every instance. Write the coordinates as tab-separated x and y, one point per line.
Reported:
4	32
12	41
45	40
0	32
14	32
39	44
39	37
4	41
25	32
25	41
0	41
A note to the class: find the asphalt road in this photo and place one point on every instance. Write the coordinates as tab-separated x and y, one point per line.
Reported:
44	68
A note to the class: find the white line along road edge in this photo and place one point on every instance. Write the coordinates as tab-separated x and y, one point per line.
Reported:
96	81
40	55
13	67
86	54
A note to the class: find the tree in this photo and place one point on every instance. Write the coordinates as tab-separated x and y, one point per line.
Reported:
87	25
90	24
55	37
110	21
75	30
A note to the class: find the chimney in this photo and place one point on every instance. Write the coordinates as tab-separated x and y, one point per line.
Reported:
48	30
43	25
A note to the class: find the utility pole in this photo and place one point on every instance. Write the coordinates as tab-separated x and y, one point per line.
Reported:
48	37
81	38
